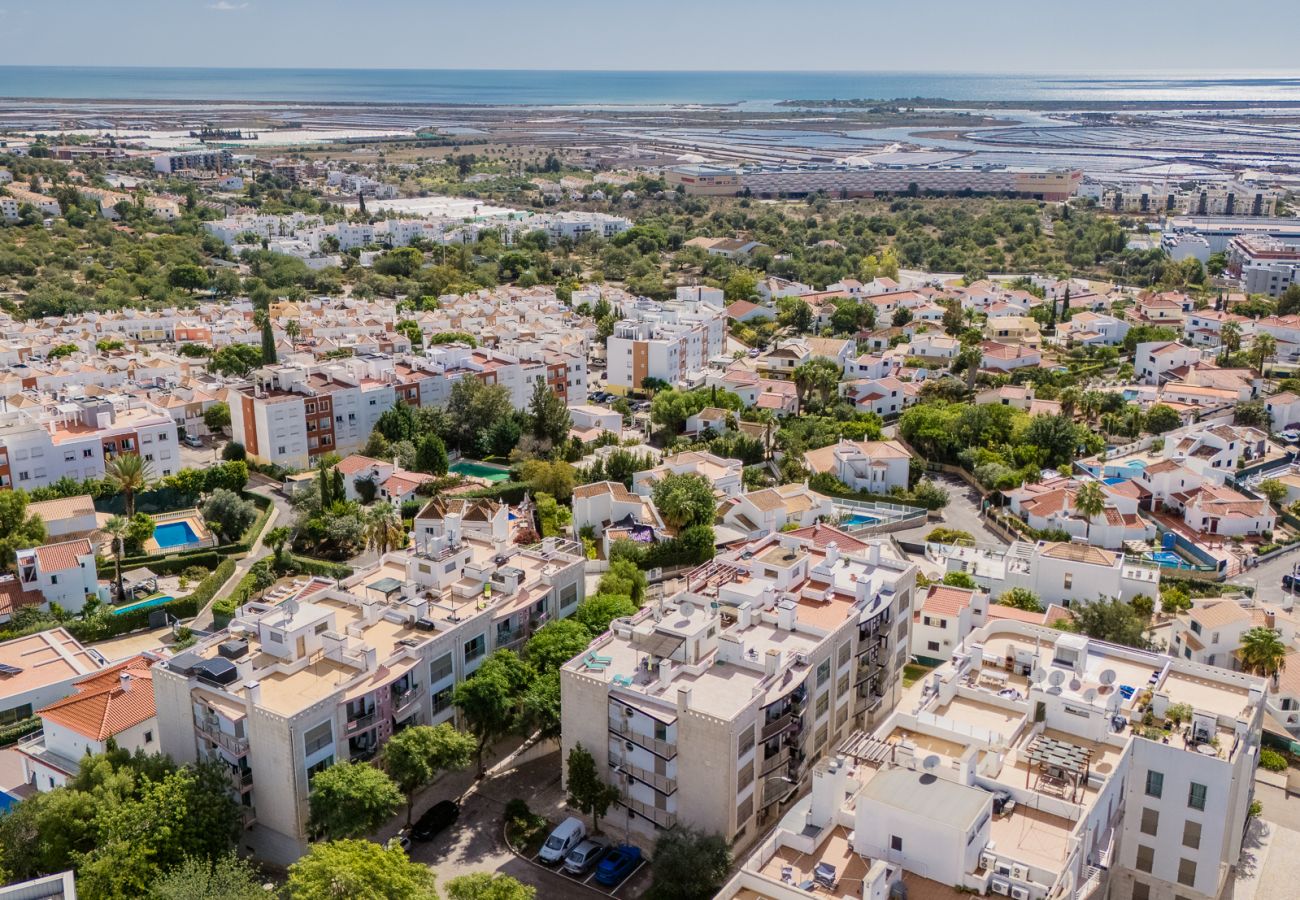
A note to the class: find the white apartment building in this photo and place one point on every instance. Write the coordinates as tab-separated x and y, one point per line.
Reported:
329	674
62	573
1153	360
668	341
726	475
76	438
1057	572
1210	632
716	701
1025	770
943	618
39	669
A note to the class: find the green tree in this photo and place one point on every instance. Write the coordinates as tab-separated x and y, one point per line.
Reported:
688	864
431	455
129	474
188	277
1262	348
624	577
18	529
819	376
1021	598
227	878
235	360
276	538
1274	490
384	529
742	284
1161	418
217	416
414	756
1111	619
1089	502
473	406
555	643
959	579
548	417
684	499
397	423
1263	652
597	611
269	354
587	792
359	870
489	886
228	514
116	528
489	699
139	529
351	800
555	478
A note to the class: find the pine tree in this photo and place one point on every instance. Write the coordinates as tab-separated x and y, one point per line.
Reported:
269	356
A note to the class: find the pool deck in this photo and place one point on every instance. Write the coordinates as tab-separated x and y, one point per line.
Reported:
191	517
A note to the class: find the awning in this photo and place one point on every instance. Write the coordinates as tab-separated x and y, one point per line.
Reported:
386	586
657	643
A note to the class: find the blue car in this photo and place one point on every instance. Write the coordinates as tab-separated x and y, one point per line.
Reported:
618	864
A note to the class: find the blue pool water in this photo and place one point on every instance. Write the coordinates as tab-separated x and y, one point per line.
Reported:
143	604
174	534
1167	558
1135	464
7	802
1114	480
859	519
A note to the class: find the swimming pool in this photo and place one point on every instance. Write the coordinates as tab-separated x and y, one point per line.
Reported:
858	519
1167	558
7	802
483	470
174	534
143	604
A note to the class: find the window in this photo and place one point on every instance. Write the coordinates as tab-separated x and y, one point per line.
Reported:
475	648
320	767
932	645
442	700
321	628
440	668
69	456
17	714
823	704
88	453
1155	783
275	637
1196	796
1141	890
746	743
823	672
844	652
1192	834
54	579
1150	821
317	737
1069	580
895	843
1146	858
148	737
1187	872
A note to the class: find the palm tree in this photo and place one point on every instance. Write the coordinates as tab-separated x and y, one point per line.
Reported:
276	538
1262	348
293	329
384	529
116	528
969	357
1070	399
1089	501
1263	652
1229	339
131	475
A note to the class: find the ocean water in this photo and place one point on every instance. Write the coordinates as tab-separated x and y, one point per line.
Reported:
586	88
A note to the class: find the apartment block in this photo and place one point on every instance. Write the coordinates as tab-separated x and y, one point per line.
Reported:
1033	764
717	701
668	341
1057	571
40	445
328	673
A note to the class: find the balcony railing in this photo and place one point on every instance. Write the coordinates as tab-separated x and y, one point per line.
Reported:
778	725
664	784
661	817
660	748
228	742
776	761
241	779
512	635
405	698
355	725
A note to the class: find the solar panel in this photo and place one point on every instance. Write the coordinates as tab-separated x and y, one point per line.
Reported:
7	670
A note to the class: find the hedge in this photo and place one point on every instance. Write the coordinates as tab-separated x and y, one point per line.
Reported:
200	556
12	734
306	565
102	627
503	492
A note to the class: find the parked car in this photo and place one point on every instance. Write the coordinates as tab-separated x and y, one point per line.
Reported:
193	440
583	857
618	864
1291	437
439	817
567	835
1288	582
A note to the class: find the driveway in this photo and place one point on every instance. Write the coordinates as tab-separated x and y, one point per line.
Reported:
962	513
281	513
1266	578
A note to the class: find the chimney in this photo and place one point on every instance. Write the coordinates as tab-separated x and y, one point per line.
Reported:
253	691
683	699
124	680
875	553
785	615
772	662
665	672
372	659
832	554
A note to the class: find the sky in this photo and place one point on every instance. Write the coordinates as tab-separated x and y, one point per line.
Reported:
1006	36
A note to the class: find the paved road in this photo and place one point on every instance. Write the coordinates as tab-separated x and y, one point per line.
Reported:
962	512
1266	578
281	512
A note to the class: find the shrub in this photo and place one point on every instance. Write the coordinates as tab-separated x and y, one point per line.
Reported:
943	535
1272	760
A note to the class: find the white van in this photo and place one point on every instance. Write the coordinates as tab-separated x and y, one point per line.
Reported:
567	835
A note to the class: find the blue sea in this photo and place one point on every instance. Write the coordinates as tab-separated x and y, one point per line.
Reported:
595	88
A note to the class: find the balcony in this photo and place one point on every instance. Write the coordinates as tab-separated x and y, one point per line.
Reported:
664	784
661	817
355	725
241	779
403	699
228	742
776	761
511	635
777	726
656	746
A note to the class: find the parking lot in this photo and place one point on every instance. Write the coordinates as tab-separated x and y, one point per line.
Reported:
631	886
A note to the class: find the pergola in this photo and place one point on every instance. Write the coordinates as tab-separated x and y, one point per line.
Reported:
1058	763
385	586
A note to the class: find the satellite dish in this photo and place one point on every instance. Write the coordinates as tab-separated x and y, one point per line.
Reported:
1057	678
1037	676
1107	677
1090	694
1075	684
931	762
687	608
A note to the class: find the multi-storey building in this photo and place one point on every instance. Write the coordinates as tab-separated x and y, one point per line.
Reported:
75	439
667	341
1058	572
62	573
193	160
330	673
707	709
1033	765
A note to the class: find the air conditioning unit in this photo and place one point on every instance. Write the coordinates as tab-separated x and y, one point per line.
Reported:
1019	893
629	745
628	711
1020	873
1000	886
988	860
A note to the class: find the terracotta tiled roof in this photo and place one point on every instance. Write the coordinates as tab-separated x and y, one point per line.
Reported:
62	556
823	535
104	705
63	508
946	600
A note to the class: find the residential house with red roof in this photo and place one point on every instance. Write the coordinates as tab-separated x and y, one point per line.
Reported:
116	704
63	573
943	618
